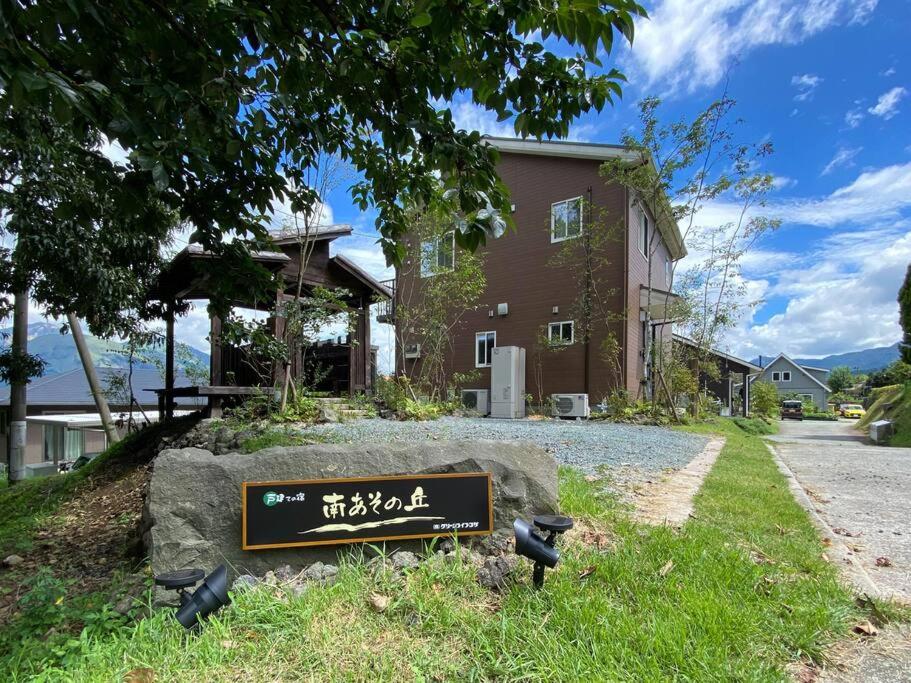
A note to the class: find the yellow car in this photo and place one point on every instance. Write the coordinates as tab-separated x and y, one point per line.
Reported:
853	410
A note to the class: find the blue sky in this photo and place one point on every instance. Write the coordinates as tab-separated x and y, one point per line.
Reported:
829	83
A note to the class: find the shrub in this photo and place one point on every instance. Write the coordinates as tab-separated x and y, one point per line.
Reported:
764	399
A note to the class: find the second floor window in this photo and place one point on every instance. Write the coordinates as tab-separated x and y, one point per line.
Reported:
644	232
560	333
438	255
566	219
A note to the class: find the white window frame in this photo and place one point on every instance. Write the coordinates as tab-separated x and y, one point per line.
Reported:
783	377
567	236
643	240
477	338
430	251
808	397
776	376
668	271
560	341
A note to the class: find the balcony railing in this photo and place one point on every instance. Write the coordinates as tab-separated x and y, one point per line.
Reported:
386	309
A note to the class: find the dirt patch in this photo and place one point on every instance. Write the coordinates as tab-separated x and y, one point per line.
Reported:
670	500
94	534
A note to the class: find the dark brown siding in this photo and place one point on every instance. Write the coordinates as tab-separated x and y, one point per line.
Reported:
520	274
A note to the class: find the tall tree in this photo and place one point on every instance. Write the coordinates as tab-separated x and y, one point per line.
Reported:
222	107
904	315
840	378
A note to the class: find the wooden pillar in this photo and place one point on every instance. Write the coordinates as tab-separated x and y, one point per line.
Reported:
215	361
368	366
277	323
169	363
746	394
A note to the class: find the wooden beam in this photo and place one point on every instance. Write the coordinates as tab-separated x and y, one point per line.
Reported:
169	362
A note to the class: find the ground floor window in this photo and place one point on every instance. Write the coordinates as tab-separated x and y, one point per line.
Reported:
484	343
561	332
66	444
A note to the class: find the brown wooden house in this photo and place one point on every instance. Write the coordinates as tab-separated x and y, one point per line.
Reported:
351	358
556	193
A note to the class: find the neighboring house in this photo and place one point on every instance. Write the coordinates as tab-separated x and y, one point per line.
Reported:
68	394
790	378
551	185
727	384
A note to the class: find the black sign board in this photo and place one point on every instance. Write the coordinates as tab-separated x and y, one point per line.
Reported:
287	514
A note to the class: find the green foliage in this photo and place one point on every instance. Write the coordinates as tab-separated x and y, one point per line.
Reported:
764	399
840	378
16	366
421	410
222	108
301	409
904	316
54	623
273	437
755	426
897	373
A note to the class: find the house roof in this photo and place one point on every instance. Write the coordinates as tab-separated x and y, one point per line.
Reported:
750	367
668	227
72	389
360	274
316	232
803	369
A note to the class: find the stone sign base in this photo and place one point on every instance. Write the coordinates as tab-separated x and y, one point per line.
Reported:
192	514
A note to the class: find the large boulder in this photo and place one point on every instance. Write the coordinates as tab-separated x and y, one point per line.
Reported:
192	515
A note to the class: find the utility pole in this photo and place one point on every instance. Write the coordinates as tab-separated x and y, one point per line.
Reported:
101	403
17	397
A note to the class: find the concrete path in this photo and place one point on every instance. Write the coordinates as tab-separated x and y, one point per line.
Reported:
861	495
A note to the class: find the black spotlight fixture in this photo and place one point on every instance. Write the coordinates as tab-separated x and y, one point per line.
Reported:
209	597
541	551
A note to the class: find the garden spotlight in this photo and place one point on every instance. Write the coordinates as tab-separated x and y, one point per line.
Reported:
209	597
539	550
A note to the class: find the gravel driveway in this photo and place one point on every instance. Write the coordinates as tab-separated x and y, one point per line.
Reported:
585	445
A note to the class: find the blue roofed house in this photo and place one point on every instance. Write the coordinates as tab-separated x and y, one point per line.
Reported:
807	382
62	420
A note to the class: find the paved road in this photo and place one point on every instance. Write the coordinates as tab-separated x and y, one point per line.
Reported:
862	491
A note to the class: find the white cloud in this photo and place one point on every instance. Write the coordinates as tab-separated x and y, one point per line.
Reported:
690	44
805	84
843	157
862	11
887	104
874	195
853	118
841	297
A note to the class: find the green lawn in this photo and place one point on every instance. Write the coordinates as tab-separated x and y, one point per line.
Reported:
739	593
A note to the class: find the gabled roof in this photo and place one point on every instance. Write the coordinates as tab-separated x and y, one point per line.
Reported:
801	368
668	228
733	359
359	273
72	389
316	232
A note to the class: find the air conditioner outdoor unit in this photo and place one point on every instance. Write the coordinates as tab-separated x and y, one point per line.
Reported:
412	350
477	400
570	405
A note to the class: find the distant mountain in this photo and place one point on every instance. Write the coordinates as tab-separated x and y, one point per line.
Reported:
864	361
59	351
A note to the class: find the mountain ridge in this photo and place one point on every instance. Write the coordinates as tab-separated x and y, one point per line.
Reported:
865	360
59	353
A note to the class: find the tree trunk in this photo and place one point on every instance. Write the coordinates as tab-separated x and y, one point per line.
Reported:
101	403
17	403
